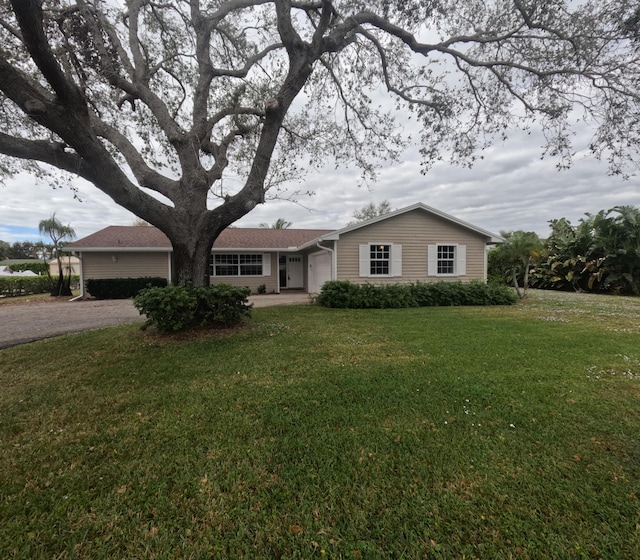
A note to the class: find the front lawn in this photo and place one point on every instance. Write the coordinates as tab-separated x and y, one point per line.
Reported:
489	433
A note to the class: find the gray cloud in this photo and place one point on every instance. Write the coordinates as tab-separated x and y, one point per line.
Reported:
510	188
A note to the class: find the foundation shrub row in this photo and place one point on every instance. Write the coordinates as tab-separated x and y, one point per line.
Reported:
345	294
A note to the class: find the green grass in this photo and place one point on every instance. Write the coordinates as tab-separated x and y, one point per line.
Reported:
313	433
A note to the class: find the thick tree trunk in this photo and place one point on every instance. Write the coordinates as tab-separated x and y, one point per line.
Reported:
191	263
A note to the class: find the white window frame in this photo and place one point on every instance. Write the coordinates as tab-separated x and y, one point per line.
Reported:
265	265
459	260
395	260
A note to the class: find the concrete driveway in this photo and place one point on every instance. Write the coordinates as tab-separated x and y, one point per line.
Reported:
22	323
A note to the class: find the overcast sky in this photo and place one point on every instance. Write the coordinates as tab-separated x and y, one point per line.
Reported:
512	188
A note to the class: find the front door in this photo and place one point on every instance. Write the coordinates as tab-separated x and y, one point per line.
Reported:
295	272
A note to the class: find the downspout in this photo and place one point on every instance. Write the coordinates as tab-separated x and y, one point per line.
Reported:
81	296
486	263
277	268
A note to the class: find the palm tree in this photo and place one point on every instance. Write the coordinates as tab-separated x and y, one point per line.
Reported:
280	223
58	232
518	252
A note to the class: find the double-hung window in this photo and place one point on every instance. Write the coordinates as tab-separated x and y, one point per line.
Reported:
447	259
380	259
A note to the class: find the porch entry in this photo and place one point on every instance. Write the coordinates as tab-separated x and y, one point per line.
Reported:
291	271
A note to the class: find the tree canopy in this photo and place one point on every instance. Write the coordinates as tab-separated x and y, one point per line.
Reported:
190	113
599	254
25	250
371	210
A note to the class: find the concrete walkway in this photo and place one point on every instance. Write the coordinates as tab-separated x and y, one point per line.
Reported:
23	323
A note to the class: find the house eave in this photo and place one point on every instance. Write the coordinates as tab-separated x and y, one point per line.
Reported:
255	249
116	249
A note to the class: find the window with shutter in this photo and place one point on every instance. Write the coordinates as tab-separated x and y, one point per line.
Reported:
446	259
380	259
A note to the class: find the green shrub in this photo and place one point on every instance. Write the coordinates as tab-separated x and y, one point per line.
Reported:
37	267
172	308
221	305
344	294
13	286
340	293
175	308
121	288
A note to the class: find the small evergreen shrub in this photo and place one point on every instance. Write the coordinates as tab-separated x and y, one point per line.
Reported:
344	294
176	308
121	288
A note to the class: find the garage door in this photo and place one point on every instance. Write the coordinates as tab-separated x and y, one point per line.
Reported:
319	270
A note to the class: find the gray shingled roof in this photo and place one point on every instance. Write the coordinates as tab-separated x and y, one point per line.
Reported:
129	237
148	237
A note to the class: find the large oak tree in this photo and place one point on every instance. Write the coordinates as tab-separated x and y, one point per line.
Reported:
189	113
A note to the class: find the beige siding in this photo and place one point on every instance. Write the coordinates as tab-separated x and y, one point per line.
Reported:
125	265
70	265
252	282
138	264
415	231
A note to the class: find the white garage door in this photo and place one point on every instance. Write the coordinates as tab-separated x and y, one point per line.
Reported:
319	270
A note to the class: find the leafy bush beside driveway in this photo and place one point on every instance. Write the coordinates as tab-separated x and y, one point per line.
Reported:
175	308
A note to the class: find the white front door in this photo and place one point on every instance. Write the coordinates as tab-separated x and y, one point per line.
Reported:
295	272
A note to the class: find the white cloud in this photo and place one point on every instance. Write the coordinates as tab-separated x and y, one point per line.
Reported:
26	201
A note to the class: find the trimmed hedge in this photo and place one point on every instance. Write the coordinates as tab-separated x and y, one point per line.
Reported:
14	286
175	308
37	267
345	294
122	288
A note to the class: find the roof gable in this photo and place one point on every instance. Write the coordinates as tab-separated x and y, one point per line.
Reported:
491	237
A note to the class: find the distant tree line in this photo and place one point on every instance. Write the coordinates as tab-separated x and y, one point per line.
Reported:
599	254
25	250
